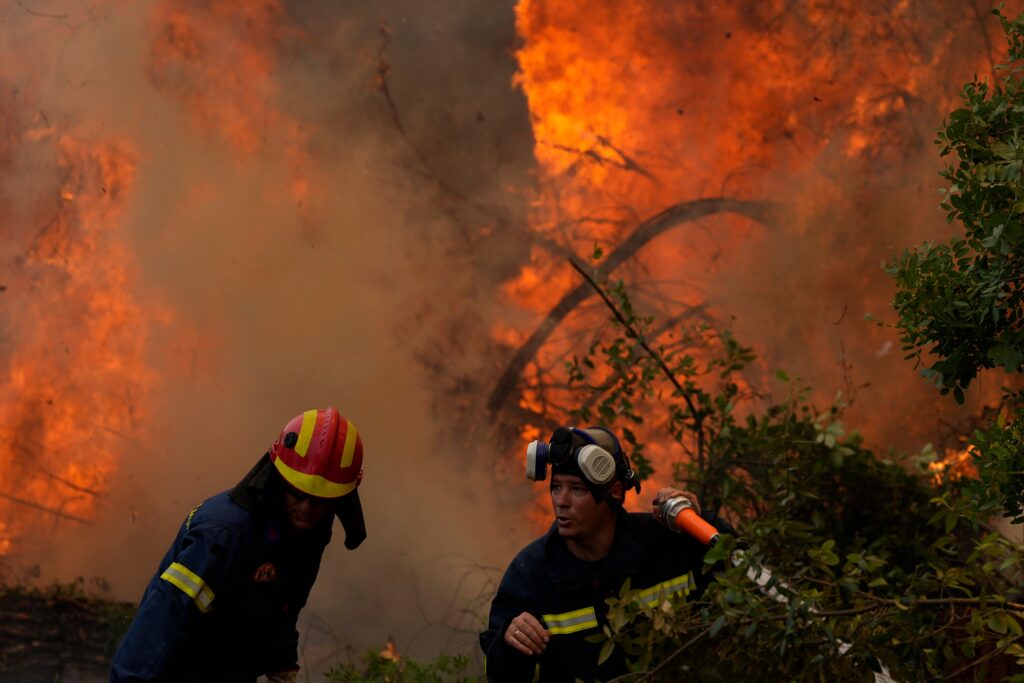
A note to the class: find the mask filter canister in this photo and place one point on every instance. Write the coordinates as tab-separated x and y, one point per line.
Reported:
537	461
597	464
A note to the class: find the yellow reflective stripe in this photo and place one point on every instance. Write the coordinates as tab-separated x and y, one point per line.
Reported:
313	484
305	432
350	445
655	594
570	622
190	584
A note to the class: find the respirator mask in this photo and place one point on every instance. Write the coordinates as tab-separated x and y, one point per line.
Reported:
593	453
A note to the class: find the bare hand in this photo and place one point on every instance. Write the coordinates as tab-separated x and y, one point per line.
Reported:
669	493
526	634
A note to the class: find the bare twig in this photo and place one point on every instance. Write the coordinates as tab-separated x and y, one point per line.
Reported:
41	14
984	33
649	229
427	170
37	506
58	478
687	394
624	162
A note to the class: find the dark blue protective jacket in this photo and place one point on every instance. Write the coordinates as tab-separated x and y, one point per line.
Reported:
568	596
223	604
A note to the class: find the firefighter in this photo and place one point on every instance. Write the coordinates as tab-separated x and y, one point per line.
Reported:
224	602
552	596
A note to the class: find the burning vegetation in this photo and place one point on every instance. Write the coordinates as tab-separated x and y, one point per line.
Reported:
724	159
78	381
727	173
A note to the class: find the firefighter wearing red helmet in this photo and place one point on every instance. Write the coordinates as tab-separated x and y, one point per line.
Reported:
224	602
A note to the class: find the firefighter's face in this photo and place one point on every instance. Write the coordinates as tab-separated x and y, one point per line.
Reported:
577	514
305	511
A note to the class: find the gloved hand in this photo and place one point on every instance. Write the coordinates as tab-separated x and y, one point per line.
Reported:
282	676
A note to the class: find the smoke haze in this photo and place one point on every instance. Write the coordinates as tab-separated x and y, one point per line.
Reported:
216	217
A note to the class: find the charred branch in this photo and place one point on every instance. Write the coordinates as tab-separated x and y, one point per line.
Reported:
686	394
41	14
624	161
671	217
36	506
55	477
983	27
426	169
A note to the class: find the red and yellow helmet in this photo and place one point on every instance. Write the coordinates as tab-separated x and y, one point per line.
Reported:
319	453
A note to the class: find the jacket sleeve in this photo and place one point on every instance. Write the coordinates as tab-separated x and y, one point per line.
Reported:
198	568
505	664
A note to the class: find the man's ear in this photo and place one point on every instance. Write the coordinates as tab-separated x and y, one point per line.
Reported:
617	491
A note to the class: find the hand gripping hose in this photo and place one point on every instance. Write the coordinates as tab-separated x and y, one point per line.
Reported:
680	516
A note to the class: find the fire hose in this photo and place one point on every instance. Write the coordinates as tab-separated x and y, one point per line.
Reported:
679	515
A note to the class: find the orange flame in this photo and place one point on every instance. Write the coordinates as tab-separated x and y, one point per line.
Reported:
220	59
639	105
955	465
78	376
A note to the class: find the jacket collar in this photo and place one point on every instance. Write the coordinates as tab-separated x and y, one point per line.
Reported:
261	489
565	569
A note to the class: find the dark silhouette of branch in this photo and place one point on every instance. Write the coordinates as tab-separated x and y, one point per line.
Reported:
624	161
41	14
980	16
687	394
43	508
57	478
654	226
426	169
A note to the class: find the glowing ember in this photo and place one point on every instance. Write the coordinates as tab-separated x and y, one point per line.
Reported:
955	465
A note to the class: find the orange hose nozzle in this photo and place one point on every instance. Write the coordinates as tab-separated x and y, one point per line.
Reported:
679	515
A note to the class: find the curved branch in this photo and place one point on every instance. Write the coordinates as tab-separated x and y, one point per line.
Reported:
667	219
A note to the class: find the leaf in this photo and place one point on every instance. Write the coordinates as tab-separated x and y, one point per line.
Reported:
717	626
997	623
606	651
1006	355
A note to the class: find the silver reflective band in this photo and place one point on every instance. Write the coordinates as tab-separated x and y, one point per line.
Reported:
662	591
190	584
571	622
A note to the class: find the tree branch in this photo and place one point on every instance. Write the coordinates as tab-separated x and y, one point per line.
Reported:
687	394
37	506
654	226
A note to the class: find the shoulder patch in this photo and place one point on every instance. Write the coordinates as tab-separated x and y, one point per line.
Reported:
265	572
191	514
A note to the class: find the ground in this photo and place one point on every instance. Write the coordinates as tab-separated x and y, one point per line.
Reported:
58	634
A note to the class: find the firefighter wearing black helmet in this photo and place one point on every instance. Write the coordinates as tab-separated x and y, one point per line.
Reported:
224	602
552	596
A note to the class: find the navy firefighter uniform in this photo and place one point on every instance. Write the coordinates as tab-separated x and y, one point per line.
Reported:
567	594
223	604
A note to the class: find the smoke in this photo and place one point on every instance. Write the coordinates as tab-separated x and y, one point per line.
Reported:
328	203
292	238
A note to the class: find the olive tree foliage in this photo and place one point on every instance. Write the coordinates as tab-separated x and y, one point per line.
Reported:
961	304
871	564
